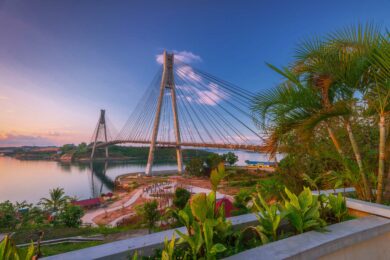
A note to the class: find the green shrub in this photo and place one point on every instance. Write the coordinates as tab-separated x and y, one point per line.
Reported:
71	216
241	201
230	158
181	198
303	211
195	167
149	212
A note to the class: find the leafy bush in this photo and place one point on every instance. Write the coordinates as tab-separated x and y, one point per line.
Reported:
230	158
8	215
268	217
270	187
213	160
195	167
181	198
71	216
241	201
338	207
303	211
206	227
149	212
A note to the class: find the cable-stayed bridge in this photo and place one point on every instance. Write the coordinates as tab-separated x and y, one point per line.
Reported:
185	107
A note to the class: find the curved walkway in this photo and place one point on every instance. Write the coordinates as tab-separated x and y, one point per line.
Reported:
88	218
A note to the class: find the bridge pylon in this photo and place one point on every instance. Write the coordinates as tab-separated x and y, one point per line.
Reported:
167	83
101	126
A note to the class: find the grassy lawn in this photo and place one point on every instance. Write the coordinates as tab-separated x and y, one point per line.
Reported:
22	236
65	247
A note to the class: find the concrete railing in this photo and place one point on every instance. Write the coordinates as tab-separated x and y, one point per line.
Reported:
337	241
144	244
305	246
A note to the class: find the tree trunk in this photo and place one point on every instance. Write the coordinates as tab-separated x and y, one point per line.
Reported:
335	141
356	151
386	193
381	163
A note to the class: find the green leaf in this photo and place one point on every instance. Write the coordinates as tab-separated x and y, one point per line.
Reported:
217	248
199	206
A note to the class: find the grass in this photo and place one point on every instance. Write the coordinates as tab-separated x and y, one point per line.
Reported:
25	235
49	250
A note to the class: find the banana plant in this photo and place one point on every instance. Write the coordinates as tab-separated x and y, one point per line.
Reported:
302	211
9	251
268	217
338	206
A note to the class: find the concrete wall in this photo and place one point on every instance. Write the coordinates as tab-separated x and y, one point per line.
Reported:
377	248
341	238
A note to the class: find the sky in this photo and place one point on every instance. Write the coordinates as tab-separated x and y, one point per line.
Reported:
63	61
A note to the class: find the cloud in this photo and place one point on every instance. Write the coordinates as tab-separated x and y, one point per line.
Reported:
20	140
186	72
211	96
184	56
3	98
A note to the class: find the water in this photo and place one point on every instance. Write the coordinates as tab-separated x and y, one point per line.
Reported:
32	180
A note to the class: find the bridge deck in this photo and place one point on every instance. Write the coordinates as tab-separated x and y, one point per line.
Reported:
254	148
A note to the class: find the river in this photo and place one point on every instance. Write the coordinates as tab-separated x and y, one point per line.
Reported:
32	180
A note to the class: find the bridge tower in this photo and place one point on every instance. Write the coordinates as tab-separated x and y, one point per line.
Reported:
102	126
167	83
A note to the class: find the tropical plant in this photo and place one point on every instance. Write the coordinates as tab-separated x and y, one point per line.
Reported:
56	201
268	217
377	95
169	249
9	251
338	206
303	211
149	212
205	225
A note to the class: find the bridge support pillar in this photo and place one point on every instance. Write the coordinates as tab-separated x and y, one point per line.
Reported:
101	125
167	82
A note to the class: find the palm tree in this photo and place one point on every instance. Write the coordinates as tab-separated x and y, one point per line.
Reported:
294	106
337	66
378	97
56	201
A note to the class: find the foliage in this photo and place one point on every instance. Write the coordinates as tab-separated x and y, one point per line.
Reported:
205	226
149	212
71	215
241	200
213	160
8	215
56	201
303	211
230	158
9	251
324	116
268	217
338	207
181	198
270	188
195	167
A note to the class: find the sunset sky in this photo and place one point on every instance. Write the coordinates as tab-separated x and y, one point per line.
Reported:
62	61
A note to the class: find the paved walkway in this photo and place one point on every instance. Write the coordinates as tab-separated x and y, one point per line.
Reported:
88	218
